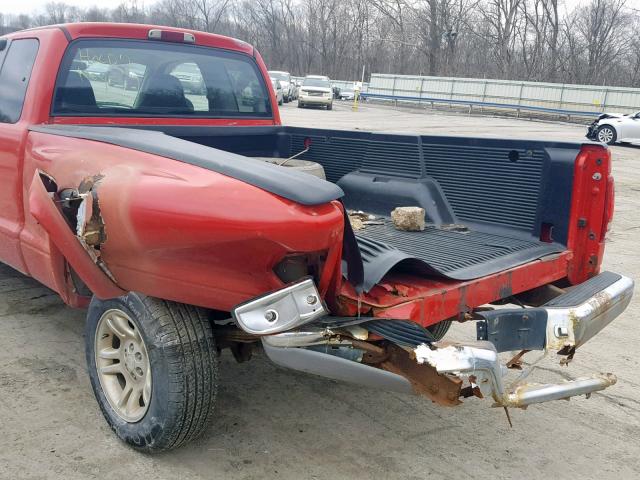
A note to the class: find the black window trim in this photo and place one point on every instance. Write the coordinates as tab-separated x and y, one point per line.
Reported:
67	58
6	52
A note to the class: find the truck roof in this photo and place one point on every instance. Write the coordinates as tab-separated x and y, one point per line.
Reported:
74	31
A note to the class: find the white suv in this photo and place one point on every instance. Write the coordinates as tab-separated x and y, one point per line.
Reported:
316	90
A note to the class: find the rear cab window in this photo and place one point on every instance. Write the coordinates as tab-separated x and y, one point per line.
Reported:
15	72
138	78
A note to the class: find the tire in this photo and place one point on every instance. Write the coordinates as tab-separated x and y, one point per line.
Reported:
286	99
330	106
300	105
177	405
280	102
440	329
606	134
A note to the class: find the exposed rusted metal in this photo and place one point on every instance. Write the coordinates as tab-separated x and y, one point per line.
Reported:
90	227
373	354
472	390
516	362
426	381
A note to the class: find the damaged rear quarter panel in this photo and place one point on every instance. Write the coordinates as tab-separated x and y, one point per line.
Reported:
180	232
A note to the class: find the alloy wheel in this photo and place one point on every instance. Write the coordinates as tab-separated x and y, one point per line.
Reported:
123	365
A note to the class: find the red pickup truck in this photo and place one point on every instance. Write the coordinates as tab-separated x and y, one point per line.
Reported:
188	223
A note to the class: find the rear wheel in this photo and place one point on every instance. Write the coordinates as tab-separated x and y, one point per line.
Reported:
300	105
153	368
606	134
330	106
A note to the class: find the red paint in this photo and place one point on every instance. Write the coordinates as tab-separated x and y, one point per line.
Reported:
179	232
428	301
591	212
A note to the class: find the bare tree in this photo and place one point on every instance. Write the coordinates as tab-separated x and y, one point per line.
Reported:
595	42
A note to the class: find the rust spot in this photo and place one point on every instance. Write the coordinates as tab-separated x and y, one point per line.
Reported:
516	362
90	223
441	389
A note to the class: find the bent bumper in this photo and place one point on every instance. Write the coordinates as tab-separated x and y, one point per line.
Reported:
437	370
571	320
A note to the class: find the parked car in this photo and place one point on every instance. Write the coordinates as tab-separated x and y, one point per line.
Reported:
277	88
294	90
315	91
97	71
611	128
318	77
128	76
190	78
347	94
284	78
180	246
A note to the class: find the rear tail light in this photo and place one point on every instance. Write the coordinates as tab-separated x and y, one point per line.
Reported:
169	36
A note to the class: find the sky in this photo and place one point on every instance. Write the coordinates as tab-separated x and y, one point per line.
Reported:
29	6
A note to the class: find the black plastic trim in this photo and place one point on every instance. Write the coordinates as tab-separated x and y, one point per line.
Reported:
514	329
583	292
67	35
290	184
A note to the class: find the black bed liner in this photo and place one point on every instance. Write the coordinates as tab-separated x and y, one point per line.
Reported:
452	254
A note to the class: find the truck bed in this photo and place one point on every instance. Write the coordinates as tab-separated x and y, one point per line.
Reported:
509	200
513	196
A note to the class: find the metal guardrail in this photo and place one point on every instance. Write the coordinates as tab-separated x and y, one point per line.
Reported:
555	98
472	103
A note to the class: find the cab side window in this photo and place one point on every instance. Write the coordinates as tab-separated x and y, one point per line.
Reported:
14	77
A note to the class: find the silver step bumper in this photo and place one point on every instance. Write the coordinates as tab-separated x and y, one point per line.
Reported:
572	326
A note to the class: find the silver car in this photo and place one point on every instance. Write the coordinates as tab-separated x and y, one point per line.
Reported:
611	128
277	88
284	79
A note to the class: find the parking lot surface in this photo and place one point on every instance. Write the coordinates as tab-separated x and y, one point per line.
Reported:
272	423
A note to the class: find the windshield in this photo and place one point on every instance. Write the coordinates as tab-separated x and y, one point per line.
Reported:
145	78
279	75
316	82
